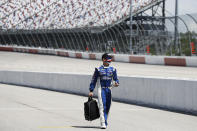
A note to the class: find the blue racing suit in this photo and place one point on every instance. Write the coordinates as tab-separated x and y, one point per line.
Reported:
106	75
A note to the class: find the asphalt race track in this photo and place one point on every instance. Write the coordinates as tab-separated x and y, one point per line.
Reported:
28	109
46	63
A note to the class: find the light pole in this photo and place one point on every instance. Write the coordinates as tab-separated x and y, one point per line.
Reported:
131	31
176	43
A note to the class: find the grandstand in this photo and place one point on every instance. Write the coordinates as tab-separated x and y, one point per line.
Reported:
84	25
58	14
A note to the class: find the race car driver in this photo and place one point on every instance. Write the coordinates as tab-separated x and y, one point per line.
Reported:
107	75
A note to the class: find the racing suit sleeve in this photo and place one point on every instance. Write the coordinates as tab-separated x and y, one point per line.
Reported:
115	77
94	80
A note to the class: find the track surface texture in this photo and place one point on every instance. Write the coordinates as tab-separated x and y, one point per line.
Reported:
28	109
12	61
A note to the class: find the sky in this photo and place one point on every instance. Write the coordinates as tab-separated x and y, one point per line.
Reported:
185	6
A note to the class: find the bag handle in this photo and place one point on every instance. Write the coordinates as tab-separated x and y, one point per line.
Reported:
89	98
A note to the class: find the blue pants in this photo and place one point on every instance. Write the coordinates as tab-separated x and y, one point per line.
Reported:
104	98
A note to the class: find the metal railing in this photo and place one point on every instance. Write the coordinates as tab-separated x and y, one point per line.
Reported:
112	38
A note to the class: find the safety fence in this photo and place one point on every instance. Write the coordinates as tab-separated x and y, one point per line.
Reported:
98	26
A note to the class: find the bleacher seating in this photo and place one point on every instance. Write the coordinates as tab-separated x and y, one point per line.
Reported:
56	14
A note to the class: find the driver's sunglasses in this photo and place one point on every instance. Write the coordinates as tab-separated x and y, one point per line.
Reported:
108	61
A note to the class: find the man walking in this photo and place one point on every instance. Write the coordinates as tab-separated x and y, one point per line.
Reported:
107	75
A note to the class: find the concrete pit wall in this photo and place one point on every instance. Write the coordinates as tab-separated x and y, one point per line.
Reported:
171	94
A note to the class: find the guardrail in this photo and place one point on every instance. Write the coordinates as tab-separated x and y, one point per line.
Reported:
141	59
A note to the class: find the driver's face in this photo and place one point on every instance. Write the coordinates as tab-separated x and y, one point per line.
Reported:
106	62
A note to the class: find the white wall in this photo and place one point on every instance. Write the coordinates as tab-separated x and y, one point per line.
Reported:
180	95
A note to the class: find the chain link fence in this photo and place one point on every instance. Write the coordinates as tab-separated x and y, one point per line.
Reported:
71	25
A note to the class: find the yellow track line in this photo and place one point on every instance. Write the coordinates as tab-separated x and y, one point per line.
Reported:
55	127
